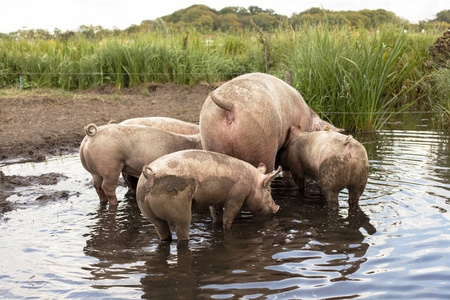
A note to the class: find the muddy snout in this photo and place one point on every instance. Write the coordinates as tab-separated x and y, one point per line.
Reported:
275	208
270	209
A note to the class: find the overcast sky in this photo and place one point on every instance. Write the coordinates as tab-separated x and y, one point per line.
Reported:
70	14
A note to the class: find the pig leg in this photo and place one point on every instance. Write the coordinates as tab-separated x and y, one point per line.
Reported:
332	197
299	180
182	229
353	195
162	228
216	213
334	173
109	186
230	212
330	190
130	181
232	207
97	182
183	222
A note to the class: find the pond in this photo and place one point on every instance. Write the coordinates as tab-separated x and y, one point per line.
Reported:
60	242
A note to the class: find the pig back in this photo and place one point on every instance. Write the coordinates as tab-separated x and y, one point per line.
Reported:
165	123
215	174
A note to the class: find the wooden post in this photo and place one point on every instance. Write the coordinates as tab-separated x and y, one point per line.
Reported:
266	54
288	75
265	40
185	41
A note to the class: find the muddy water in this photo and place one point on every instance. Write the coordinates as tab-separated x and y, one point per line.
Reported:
60	243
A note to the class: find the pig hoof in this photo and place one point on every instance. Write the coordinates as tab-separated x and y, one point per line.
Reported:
333	207
167	239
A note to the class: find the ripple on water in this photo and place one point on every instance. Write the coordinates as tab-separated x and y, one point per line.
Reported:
396	244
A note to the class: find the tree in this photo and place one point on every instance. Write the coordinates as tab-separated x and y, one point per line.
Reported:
229	21
255	10
443	16
237	10
205	22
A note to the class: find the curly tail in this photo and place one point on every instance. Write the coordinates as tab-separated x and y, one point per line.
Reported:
228	106
149	174
91	129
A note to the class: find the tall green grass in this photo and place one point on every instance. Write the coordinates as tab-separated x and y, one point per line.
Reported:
127	61
357	79
354	79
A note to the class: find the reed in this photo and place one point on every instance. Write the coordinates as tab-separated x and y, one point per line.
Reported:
439	86
354	78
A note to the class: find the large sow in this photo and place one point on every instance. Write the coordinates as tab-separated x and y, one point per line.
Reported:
249	116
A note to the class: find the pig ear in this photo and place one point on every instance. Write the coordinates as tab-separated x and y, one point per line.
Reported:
262	168
149	175
317	126
269	177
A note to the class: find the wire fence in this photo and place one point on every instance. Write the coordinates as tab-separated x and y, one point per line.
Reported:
20	74
125	73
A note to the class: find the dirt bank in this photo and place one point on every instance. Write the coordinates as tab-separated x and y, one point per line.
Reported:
34	126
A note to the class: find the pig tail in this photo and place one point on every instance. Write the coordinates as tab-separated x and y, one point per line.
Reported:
91	129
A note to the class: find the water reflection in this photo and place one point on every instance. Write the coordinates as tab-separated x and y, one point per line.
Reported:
117	236
396	244
305	243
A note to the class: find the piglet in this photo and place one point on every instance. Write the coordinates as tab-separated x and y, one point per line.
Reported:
338	161
170	186
108	150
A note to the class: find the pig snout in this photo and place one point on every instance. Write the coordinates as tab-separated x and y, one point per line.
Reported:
271	208
275	208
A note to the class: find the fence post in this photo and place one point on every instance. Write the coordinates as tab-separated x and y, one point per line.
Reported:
267	54
288	75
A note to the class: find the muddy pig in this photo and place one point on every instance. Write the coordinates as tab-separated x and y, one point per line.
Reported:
249	116
170	186
336	160
167	124
108	150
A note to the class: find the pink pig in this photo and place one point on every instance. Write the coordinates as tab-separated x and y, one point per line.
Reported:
338	161
108	150
172	185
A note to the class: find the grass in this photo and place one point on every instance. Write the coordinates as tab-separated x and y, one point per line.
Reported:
356	79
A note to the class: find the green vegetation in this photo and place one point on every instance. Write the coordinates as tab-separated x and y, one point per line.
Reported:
351	73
